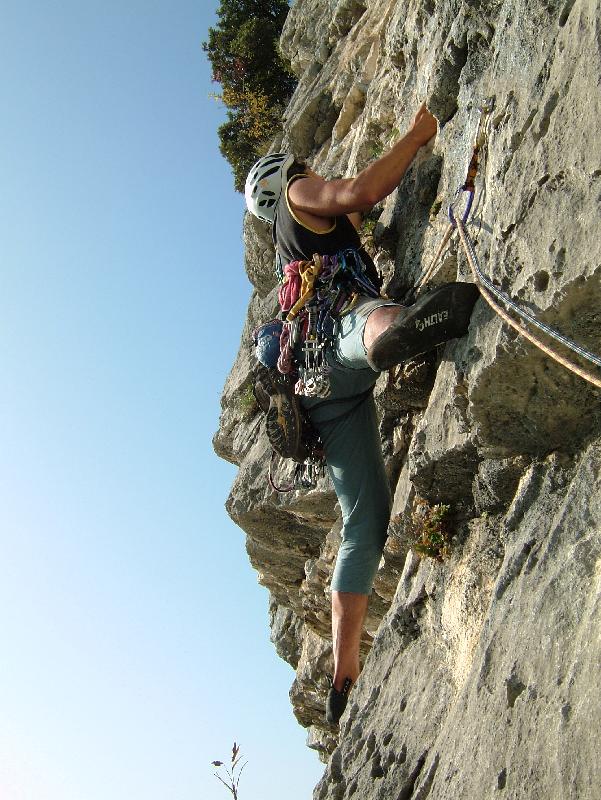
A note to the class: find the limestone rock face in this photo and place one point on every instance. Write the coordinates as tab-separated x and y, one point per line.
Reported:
484	674
481	672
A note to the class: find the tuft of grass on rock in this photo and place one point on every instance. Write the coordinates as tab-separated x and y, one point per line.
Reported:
247	401
431	529
435	208
368	229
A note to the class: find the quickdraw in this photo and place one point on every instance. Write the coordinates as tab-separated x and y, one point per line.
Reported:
469	186
305	475
314	371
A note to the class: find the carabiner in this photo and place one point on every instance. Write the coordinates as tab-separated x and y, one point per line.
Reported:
468	206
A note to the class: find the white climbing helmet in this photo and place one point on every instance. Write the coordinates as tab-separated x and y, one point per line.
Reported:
264	184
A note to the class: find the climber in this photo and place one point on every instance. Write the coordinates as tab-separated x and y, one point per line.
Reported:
312	215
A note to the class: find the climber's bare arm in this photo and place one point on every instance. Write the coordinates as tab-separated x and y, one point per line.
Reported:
321	198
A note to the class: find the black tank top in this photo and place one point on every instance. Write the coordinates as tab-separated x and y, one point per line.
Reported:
295	241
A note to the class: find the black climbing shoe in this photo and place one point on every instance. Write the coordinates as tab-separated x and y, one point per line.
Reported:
284	421
440	315
336	702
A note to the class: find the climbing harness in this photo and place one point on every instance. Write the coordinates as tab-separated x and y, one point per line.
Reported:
313	296
488	290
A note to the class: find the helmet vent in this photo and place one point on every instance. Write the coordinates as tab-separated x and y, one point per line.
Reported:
271	171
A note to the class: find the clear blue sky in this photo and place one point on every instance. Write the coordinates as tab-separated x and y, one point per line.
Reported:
134	636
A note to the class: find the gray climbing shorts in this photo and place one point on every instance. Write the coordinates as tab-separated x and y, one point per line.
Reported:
350	350
348	425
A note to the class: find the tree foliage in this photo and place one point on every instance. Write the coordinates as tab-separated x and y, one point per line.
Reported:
255	81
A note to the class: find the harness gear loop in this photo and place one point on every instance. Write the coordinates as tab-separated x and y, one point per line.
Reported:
314	295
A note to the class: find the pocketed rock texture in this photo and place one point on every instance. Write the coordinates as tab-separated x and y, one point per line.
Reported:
482	672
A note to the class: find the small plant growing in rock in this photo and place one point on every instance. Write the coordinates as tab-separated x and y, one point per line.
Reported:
377	147
368	229
247	401
431	529
435	208
231	780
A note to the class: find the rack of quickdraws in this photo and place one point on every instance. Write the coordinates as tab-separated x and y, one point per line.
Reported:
314	296
308	473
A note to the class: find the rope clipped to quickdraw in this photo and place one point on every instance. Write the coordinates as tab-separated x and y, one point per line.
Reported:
487	288
468	186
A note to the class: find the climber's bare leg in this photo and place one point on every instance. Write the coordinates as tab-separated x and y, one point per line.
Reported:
348	614
377	322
